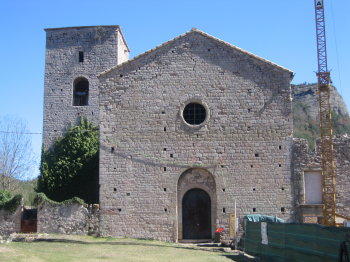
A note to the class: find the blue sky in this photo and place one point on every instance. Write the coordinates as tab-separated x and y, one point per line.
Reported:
278	30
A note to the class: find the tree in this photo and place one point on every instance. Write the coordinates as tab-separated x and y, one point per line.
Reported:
70	168
5	195
16	155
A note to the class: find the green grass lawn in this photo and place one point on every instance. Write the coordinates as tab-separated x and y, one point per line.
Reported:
82	248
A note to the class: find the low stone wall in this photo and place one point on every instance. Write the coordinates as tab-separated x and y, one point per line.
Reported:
68	218
10	221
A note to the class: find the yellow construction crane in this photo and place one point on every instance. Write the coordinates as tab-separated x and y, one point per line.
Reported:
323	75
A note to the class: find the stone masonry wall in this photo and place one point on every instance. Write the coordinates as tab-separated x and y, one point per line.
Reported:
10	222
68	219
303	160
62	67
145	145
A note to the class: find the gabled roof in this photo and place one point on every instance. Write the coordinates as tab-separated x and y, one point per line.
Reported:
237	48
195	30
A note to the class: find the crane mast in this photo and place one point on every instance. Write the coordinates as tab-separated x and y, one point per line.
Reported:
323	75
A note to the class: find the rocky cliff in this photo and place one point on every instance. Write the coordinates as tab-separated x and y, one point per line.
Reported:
306	116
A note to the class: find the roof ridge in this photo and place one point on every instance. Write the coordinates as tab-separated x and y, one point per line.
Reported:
144	53
238	48
186	33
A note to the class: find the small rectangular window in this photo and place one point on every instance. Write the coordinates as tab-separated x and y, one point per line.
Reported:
81	56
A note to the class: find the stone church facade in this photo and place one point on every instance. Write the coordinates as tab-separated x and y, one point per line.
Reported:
191	132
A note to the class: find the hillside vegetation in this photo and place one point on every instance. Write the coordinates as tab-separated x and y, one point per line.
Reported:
306	116
26	189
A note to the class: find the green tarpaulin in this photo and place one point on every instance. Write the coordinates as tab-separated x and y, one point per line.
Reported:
295	242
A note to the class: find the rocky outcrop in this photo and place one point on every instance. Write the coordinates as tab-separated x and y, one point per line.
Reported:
307	95
306	113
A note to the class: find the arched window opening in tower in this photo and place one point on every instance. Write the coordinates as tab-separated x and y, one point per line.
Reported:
81	92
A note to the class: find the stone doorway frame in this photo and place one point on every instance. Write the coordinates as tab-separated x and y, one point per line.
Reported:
196	178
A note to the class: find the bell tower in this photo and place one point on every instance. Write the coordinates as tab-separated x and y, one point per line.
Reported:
74	58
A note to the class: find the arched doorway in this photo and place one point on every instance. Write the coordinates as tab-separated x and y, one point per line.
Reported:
196	206
196	214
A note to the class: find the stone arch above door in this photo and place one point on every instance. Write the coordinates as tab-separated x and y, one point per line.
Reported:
196	178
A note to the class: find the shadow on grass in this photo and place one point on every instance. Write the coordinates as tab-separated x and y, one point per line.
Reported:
240	258
234	257
72	241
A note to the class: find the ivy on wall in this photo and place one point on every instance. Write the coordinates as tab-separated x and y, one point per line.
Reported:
70	168
41	198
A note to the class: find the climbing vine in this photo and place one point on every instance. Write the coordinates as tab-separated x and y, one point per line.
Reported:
41	198
70	168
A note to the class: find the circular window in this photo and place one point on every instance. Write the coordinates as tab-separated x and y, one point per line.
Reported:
194	113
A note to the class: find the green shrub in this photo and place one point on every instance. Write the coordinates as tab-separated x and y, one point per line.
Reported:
70	167
41	198
12	204
5	196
